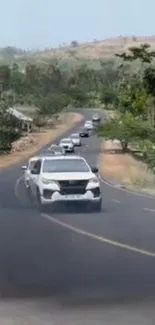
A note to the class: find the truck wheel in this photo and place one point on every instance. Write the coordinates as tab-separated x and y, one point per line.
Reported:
40	206
28	192
97	207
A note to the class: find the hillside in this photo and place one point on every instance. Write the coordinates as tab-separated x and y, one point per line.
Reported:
93	50
97	49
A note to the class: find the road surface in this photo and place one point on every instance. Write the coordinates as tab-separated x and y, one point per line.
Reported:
78	258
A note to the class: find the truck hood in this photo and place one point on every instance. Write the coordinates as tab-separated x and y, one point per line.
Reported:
68	176
76	140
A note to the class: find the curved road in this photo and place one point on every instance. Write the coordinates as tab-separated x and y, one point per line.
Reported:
78	256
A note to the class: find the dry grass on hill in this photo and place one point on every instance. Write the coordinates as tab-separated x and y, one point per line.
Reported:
96	49
76	50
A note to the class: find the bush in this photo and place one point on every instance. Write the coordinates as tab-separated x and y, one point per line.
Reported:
7	136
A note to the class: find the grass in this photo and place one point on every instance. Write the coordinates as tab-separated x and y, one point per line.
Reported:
125	169
41	138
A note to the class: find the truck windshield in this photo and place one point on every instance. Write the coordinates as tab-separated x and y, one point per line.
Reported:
65	166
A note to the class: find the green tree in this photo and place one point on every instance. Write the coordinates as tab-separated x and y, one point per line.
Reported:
126	129
16	80
52	104
5	77
9	130
142	53
132	97
147	76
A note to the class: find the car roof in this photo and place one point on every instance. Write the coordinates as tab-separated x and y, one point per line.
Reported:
63	157
66	139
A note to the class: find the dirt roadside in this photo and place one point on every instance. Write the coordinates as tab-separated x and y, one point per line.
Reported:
41	139
124	169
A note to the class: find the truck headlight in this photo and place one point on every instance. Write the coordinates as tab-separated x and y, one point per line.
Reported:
49	181
93	180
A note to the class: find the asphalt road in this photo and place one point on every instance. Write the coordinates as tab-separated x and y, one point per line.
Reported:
79	258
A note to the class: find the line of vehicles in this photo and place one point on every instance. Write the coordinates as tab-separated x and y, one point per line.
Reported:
55	176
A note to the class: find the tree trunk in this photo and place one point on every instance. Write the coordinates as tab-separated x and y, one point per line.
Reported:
124	145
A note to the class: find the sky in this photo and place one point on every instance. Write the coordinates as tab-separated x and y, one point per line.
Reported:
38	24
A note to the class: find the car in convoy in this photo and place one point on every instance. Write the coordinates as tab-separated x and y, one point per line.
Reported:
96	118
83	132
67	144
89	125
56	150
55	179
76	139
27	170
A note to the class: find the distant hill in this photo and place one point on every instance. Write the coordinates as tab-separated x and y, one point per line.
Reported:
92	50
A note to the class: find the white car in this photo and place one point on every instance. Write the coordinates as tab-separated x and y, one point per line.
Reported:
96	118
64	179
67	144
89	125
56	150
76	139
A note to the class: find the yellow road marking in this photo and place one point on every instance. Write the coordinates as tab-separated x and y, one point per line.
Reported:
99	238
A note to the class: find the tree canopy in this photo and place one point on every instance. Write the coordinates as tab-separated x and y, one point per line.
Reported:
134	99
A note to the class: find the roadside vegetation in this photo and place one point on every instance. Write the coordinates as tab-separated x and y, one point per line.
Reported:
129	137
51	90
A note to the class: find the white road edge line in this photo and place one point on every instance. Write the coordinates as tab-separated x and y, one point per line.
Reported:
150	210
96	237
116	201
17	185
124	189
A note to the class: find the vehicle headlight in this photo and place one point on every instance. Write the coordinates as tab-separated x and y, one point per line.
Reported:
94	180
49	181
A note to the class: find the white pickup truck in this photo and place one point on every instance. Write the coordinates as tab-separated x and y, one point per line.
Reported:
52	179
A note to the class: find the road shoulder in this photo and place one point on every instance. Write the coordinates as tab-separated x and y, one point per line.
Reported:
41	139
124	170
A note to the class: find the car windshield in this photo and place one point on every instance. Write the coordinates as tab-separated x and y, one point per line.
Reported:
75	136
65	166
65	140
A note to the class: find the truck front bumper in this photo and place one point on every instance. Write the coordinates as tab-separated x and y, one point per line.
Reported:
89	196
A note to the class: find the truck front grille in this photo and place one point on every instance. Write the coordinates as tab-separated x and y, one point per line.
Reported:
70	187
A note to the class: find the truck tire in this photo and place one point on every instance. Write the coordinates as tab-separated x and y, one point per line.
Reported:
97	207
40	206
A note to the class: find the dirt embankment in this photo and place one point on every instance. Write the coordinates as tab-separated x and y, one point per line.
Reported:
125	169
28	146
